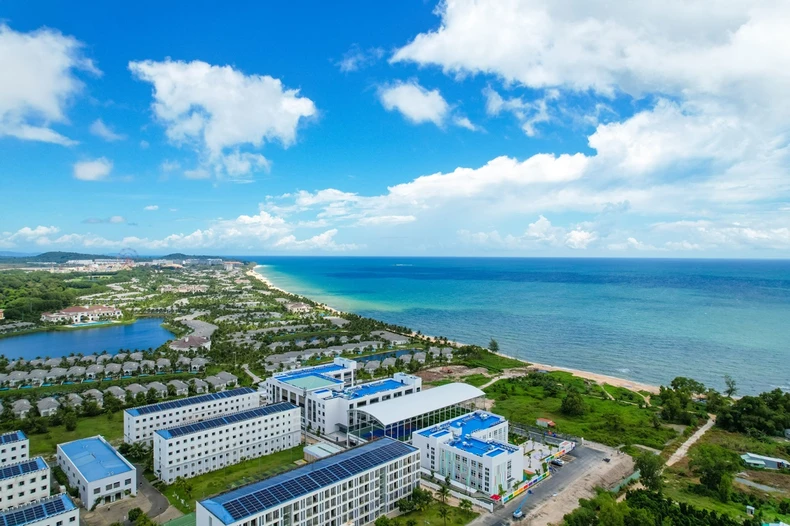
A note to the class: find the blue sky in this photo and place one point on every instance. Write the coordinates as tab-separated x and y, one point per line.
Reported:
495	127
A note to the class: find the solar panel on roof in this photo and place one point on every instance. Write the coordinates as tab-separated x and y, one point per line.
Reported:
220	421
192	400
10	437
34	512
19	469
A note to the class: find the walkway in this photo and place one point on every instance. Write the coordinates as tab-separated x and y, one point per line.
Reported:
684	448
255	379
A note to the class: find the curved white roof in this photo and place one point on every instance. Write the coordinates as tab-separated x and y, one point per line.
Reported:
403	407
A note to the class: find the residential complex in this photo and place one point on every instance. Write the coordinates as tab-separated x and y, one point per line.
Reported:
192	449
472	450
140	423
351	488
57	510
82	314
23	482
14	447
292	386
326	409
97	470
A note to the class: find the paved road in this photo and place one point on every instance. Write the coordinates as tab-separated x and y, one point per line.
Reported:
583	459
684	448
158	501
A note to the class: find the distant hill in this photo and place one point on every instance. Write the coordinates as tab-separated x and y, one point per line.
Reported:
51	257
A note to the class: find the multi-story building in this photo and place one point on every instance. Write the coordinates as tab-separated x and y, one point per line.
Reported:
326	410
23	482
351	488
139	423
292	386
97	470
472	450
14	447
82	314
57	510
192	449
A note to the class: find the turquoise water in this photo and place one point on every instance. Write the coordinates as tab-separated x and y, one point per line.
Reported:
142	334
645	320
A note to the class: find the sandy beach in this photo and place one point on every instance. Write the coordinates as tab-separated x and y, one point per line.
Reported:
595	377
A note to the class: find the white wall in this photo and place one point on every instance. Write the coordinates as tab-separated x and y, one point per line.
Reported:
15	491
14	451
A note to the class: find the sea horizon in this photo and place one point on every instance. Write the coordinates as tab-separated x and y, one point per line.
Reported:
641	319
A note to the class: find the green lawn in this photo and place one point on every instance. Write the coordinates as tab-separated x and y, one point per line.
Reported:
476	379
430	516
621	393
111	430
492	362
607	421
232	477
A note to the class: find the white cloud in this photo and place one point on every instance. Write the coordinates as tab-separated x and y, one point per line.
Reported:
386	220
464	122
114	220
96	170
39	82
99	129
417	104
357	58
539	235
219	110
529	114
151	208
324	241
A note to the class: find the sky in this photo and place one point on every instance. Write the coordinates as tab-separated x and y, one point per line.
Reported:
458	128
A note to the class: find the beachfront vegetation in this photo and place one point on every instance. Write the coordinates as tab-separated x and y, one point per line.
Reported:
589	413
765	414
474	356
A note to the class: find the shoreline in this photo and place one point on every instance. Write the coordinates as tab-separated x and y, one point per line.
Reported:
599	378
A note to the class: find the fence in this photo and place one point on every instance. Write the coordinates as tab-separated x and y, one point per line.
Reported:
457	492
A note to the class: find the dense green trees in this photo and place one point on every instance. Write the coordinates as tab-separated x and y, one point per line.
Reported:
573	404
767	413
715	467
25	295
650	468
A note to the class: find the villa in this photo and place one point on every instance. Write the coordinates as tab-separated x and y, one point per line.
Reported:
82	314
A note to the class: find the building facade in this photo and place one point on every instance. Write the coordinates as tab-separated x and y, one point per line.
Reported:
82	314
140	423
193	449
57	510
354	487
14	447
97	470
292	386
473	451
23	482
326	410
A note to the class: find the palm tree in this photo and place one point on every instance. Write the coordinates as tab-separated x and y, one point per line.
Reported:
465	504
444	492
444	511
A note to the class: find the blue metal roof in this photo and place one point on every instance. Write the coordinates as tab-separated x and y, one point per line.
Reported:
192	400
36	511
318	369
220	421
467	424
14	436
481	448
20	468
372	388
247	501
95	458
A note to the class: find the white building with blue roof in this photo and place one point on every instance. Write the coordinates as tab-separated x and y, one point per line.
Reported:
14	447
200	447
57	510
473	451
140	423
23	482
97	470
326	410
354	487
291	386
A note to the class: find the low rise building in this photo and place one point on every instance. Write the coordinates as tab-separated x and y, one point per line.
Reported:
82	314
761	461
57	510
352	488
47	406
472	450
200	447
97	470
140	423
326	410
298	307
14	447
23	482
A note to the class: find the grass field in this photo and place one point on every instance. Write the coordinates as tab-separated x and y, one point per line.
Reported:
492	362
111	430
607	421
476	379
457	516
231	477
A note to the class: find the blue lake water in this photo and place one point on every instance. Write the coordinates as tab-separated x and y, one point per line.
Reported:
646	320
144	333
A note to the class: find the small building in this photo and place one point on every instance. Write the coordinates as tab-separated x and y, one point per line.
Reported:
545	422
76	371
148	365
391	337
117	392
57	510
761	461
130	367
200	386
21	408
230	380
298	307
319	450
190	343
14	447
47	406
95	395
135	389
94	371
217	383
97	470
136	356
197	364
181	388
23	482
159	387
79	314
162	364
74	400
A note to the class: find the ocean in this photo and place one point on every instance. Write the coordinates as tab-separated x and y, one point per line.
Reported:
646	320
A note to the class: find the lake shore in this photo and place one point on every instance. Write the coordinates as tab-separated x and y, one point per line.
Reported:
595	377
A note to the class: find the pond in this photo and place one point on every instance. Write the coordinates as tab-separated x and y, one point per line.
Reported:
142	334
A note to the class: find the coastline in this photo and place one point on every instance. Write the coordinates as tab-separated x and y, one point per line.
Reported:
588	375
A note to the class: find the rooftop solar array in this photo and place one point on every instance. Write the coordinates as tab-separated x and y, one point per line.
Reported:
14	436
192	400
212	423
36	511
253	499
27	466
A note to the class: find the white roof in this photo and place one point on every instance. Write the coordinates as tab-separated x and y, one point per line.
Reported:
403	407
755	456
